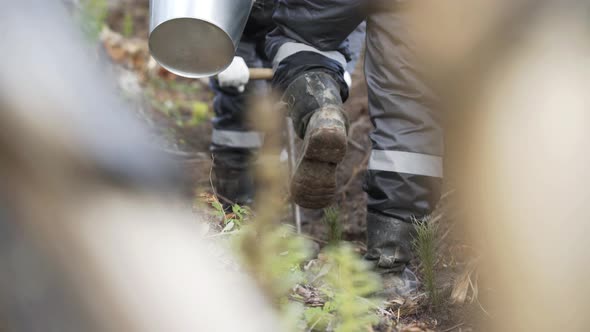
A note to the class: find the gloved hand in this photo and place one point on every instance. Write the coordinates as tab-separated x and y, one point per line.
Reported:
236	75
348	79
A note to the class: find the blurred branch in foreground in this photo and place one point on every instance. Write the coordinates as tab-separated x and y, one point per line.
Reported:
88	243
515	87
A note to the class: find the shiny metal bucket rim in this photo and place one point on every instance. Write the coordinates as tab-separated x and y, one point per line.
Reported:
229	45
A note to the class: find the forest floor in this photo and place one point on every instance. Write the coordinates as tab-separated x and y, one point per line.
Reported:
179	110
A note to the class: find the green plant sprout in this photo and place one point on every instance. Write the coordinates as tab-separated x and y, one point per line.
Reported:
424	244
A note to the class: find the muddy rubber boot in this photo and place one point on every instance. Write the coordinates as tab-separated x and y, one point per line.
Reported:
315	106
389	248
233	185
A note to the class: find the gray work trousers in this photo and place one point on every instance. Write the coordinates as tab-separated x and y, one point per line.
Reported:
404	175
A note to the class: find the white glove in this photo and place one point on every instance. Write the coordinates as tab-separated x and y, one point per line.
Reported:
348	79
236	75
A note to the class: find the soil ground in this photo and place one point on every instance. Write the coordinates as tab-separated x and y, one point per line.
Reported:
179	110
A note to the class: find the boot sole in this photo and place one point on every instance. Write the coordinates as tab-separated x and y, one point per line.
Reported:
314	182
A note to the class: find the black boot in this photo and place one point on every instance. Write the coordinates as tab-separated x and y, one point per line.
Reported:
315	105
389	248
233	183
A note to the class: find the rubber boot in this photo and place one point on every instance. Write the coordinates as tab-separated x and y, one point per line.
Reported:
233	184
315	105
389	248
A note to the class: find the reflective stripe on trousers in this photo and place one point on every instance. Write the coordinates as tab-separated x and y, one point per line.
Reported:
406	162
237	139
290	48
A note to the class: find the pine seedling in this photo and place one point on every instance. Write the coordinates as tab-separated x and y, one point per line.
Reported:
350	282
425	246
318	319
279	270
332	220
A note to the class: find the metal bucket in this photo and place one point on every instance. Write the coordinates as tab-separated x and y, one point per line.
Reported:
196	38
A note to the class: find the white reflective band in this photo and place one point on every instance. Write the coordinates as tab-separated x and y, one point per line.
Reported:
406	162
237	139
288	49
